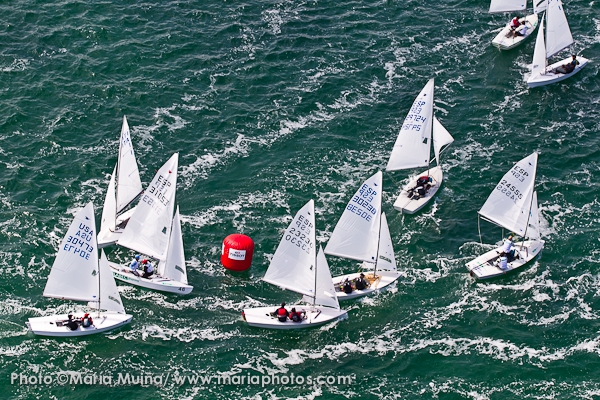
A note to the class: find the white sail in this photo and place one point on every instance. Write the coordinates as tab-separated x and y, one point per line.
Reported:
441	138
293	265
74	274
412	148
109	211
149	228
110	299
539	6
558	34
174	265
128	176
500	6
386	261
357	232
533	229
509	204
539	53
324	285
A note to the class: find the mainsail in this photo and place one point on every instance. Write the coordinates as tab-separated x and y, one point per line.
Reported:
413	148
293	265
510	203
356	235
500	6
74	274
148	230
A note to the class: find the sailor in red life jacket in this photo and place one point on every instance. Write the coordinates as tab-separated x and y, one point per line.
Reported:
86	321
514	23
296	316
424	180
423	185
281	313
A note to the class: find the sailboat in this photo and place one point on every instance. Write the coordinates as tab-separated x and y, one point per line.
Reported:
78	275
507	39
362	234
124	188
558	37
512	205
413	150
297	267
155	232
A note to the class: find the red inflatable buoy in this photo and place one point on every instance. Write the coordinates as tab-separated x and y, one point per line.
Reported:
237	252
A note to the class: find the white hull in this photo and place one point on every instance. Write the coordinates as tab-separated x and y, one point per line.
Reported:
382	281
53	325
108	237
155	282
411	206
484	266
505	39
549	77
315	315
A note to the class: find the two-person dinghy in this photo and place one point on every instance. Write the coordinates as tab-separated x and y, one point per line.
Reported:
297	267
77	274
413	150
512	205
124	188
155	232
362	234
513	34
558	37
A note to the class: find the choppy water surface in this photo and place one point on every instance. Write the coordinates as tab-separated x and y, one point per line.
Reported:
271	104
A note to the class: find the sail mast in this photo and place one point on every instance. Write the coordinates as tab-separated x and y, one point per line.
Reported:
378	244
530	203
315	275
118	172
99	287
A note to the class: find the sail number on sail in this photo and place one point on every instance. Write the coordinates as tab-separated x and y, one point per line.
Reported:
77	244
159	192
509	190
126	141
414	121
519	173
361	203
301	234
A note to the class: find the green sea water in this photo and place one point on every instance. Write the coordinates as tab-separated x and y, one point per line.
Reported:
271	104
